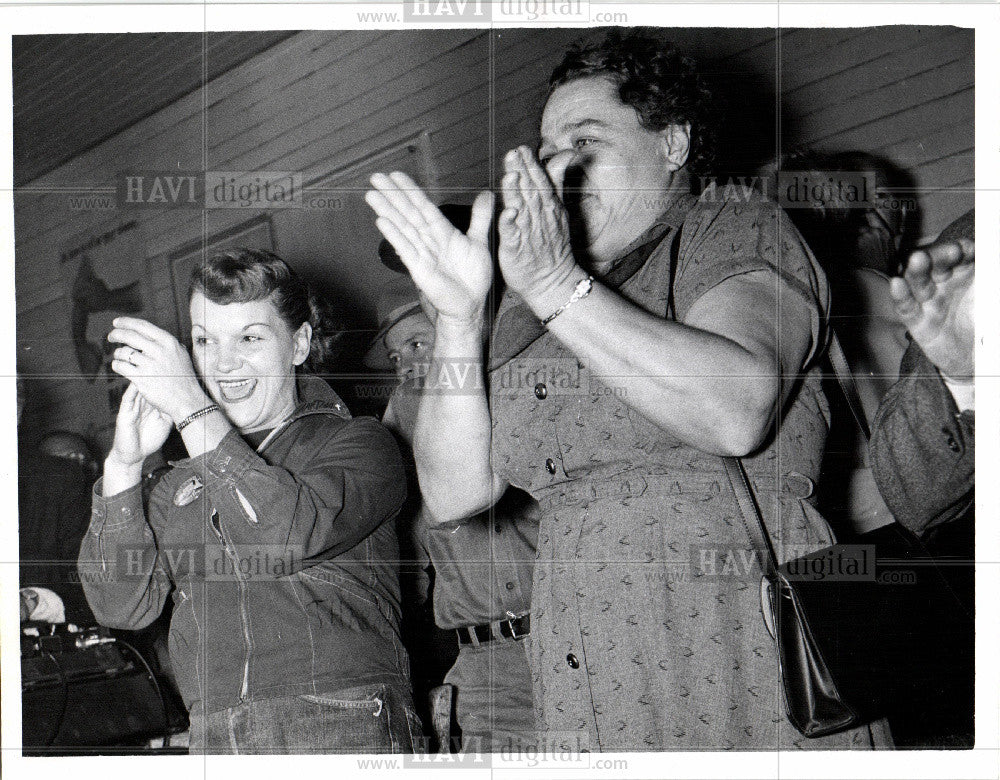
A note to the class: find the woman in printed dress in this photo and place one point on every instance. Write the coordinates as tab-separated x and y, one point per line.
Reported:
644	333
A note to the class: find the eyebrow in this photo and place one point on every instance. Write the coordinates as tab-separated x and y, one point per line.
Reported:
590	122
245	327
585	123
570	126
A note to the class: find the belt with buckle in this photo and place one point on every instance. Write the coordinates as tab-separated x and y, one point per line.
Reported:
515	628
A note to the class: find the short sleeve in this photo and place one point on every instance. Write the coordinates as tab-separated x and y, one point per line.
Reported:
722	239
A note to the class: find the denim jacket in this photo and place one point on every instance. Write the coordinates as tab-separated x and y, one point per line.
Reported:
282	562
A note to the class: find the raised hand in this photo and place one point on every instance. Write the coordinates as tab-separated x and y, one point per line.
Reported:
158	365
535	255
140	430
452	269
935	299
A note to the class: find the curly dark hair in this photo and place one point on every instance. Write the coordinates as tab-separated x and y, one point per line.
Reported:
244	275
654	78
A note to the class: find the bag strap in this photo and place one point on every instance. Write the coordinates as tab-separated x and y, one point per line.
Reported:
675	250
845	379
750	514
753	521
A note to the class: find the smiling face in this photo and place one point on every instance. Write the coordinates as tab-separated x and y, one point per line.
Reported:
410	343
619	174
246	355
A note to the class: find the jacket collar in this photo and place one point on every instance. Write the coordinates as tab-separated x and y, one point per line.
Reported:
315	397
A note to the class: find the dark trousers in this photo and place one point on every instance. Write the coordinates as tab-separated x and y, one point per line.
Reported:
493	701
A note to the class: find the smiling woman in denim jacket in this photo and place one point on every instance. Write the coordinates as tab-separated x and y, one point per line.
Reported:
274	537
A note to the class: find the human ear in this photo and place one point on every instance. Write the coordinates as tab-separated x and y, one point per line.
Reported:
676	144
301	340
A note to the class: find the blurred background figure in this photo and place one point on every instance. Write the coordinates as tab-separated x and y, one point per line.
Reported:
857	242
469	583
71	446
874	231
403	345
53	493
923	454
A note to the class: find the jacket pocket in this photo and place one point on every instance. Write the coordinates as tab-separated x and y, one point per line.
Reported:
366	698
353	720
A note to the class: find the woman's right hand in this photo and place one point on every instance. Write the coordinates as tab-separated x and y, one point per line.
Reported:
454	270
140	430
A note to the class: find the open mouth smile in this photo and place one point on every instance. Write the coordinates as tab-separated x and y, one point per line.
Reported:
233	390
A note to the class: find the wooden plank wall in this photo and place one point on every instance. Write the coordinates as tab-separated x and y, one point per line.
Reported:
318	101
903	93
58	112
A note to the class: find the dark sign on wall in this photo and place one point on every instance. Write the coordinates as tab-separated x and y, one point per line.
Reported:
104	276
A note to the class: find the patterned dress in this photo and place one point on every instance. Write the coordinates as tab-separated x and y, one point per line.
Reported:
646	627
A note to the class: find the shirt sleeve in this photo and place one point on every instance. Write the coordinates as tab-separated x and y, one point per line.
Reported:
722	240
120	570
923	448
353	483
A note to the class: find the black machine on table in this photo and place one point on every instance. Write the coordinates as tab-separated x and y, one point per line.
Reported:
89	691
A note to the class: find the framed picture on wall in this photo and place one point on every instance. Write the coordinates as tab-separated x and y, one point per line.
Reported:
342	224
334	243
333	239
412	155
253	234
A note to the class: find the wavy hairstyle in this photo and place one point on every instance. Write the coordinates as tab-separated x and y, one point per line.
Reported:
654	78
245	275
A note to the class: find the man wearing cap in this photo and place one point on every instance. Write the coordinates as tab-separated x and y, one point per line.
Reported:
483	566
403	345
404	339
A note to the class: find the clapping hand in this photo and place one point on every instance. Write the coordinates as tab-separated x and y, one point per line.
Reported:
935	299
140	430
535	255
159	367
453	270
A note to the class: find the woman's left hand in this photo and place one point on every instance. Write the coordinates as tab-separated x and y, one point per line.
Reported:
535	255
159	367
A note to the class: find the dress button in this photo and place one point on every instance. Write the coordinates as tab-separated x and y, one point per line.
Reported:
572	661
497	528
550	465
510	586
952	444
541	391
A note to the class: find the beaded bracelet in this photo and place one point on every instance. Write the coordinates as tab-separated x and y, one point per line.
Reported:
582	290
195	415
